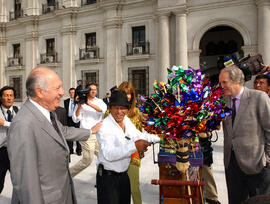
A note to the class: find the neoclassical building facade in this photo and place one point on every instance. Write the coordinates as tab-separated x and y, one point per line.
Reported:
110	41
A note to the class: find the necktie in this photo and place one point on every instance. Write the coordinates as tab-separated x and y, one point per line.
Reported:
54	123
9	118
233	110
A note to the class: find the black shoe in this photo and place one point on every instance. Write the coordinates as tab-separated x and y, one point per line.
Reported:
71	152
209	201
79	153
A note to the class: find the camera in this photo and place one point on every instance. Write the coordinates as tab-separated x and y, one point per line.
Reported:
250	65
81	94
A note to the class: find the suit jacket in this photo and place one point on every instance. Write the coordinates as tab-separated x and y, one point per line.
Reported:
70	122
39	158
250	135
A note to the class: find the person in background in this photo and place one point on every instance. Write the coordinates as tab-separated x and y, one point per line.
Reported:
37	146
107	98
210	188
246	138
118	138
135	117
7	113
262	83
70	106
88	113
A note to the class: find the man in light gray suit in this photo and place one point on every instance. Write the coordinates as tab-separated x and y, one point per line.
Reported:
37	148
246	138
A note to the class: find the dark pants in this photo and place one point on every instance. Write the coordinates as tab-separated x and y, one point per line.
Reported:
112	187
70	143
4	166
241	186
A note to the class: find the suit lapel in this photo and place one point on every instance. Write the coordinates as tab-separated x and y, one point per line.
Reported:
46	125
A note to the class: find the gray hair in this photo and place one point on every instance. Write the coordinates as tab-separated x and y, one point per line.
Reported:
235	74
36	78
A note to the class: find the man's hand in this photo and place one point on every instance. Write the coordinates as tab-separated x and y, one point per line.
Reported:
96	128
266	68
2	122
141	145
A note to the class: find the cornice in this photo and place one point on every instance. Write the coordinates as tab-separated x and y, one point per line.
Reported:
175	10
69	30
262	2
115	22
220	4
33	35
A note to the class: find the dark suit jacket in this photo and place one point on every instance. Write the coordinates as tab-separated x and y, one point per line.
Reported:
70	122
39	158
250	134
61	115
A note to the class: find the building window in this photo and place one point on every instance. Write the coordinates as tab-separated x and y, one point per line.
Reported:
51	2
50	46
16	83
90	77
139	77
16	50
138	35
87	2
90	40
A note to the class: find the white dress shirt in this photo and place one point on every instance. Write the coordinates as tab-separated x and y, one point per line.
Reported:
44	111
71	107
116	146
4	128
88	116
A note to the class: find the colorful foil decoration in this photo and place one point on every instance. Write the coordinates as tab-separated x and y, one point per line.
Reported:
185	106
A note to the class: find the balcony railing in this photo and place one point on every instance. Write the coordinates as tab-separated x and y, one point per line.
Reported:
14	61
13	15
87	2
138	48
47	8
48	58
89	53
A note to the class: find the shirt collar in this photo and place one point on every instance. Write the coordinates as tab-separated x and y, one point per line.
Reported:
238	96
43	110
5	109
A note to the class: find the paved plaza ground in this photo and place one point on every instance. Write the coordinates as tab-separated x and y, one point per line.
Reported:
85	181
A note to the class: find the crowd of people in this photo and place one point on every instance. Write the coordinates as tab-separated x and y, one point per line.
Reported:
36	141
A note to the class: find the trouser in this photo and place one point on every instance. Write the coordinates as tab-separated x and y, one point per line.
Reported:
89	148
4	166
241	186
210	188
112	187
78	147
134	177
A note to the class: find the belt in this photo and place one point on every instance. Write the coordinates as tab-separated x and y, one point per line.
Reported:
110	172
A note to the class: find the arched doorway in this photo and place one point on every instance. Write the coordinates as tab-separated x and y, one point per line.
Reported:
215	44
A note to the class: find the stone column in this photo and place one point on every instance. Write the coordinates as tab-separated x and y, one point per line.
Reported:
112	54
3	11
164	47
31	48
3	54
264	29
32	8
68	49
181	40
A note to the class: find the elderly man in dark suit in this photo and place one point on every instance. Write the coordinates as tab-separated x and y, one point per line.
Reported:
69	106
36	143
246	138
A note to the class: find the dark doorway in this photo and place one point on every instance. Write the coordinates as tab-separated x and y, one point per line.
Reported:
215	44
